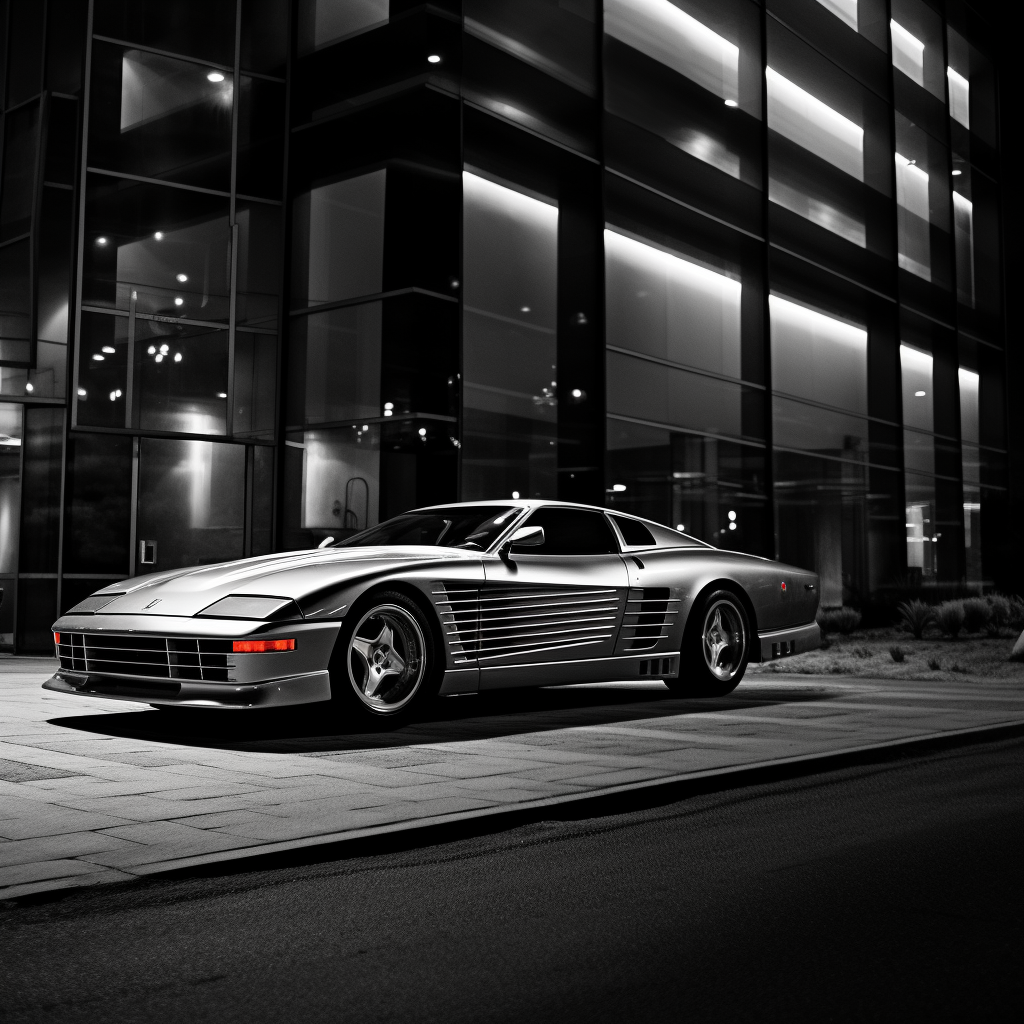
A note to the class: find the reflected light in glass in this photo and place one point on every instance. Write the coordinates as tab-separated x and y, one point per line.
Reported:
844	10
182	278
434	59
222	394
98	357
805	120
81	392
158	235
215	76
29	386
101	241
959	97
151	350
919	394
674	38
515	494
731	103
969	389
177	357
109	349
907	53
618	488
179	301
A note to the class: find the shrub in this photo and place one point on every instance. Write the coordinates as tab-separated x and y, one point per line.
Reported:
1001	612
838	620
1016	619
950	617
977	614
933	664
916	616
897	653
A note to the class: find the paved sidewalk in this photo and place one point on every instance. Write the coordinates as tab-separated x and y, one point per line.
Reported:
94	791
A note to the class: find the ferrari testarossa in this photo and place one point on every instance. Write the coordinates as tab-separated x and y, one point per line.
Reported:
451	599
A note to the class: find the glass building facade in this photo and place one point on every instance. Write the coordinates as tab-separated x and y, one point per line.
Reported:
273	271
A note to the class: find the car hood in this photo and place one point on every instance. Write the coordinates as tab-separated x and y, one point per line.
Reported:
290	574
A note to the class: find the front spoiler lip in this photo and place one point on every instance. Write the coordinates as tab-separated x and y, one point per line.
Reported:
308	688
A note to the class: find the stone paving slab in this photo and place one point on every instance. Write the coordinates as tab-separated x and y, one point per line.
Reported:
93	791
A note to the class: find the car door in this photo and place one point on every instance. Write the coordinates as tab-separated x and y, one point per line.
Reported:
546	611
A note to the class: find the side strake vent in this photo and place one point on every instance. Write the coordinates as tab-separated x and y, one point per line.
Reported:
491	623
650	613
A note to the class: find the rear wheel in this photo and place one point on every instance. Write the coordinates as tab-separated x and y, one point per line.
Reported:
716	647
385	663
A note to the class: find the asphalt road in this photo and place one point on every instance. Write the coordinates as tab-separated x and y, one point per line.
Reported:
891	892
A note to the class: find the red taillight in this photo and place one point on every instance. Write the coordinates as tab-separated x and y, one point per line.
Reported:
783	587
261	646
56	638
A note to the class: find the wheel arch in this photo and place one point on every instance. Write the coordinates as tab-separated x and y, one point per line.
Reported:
724	583
417	597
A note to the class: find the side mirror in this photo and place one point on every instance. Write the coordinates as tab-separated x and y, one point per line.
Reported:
524	537
528	537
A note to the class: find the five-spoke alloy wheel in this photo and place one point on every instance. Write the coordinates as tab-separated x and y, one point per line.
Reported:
716	647
384	660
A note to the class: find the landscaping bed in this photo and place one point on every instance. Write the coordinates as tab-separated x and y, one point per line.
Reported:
867	653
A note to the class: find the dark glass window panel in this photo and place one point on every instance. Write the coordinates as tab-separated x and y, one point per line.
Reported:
61	141
65	44
15	304
532	63
569	531
977	237
11	438
378	60
10	589
102	370
262	500
25	52
160	117
972	88
191	501
255	393
922	197
98	503
144	238
663	305
824	510
853	34
324	22
258	279
838	435
661	394
830	161
54	264
510	371
37	608
917	50
265	29
634	533
3	64
182	375
691	483
338	247
196	28
335	367
40	482
558	39
21	142
260	138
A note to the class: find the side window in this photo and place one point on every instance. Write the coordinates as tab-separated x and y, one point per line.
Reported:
570	531
634	533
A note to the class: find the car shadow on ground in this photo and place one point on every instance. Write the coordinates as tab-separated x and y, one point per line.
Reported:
314	730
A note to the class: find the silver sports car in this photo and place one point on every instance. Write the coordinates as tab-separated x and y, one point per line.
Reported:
445	600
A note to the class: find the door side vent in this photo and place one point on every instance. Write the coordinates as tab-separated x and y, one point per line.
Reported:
649	614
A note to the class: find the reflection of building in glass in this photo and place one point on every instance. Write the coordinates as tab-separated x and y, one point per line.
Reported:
737	278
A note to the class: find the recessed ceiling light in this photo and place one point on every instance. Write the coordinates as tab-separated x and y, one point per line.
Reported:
215	76
101	240
731	103
109	349
919	394
177	357
179	301
151	350
515	494
158	235
222	394
957	173
182	278
29	386
98	357
159	357
434	59
81	392
423	431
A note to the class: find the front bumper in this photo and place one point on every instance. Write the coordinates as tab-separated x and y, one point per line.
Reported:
308	688
781	643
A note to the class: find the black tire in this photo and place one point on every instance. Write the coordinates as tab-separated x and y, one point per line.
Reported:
716	647
386	665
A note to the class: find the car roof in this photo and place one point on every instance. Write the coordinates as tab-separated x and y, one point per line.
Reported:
531	503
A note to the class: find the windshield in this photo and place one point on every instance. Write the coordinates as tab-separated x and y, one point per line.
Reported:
475	528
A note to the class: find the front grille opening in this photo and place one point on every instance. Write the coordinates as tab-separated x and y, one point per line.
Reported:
150	656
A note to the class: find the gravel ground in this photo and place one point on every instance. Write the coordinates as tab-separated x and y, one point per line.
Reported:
866	653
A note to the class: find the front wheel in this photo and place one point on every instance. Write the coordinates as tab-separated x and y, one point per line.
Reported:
716	648
384	663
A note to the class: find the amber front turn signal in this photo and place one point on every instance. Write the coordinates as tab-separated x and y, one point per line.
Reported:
261	646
